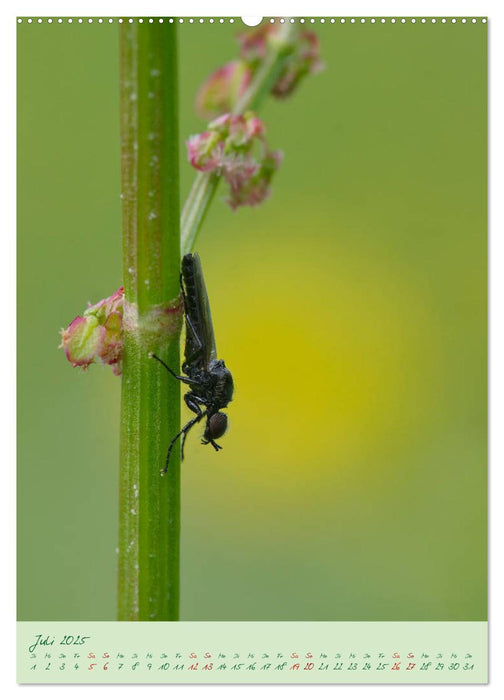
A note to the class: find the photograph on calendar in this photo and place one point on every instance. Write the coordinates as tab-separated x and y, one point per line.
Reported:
252	345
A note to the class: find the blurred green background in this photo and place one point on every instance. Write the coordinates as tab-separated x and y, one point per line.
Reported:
351	309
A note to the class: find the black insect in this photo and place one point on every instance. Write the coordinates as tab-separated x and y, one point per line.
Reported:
210	382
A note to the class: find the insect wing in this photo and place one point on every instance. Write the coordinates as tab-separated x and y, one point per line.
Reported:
200	339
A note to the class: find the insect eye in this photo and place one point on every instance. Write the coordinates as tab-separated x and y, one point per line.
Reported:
217	426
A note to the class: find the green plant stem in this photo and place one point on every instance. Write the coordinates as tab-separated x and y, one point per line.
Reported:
205	184
149	522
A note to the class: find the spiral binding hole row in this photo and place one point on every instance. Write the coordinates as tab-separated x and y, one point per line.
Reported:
272	20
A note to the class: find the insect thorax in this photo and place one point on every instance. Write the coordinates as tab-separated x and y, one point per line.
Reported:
214	382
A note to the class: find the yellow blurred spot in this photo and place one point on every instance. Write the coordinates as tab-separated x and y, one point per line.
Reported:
333	369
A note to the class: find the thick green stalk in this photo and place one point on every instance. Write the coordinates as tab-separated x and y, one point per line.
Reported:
205	184
149	525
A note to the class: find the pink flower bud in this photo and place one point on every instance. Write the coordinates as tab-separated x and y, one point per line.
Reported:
302	55
238	130
97	335
221	125
107	306
221	91
244	128
205	151
226	135
82	340
238	169
255	189
254	43
110	352
304	60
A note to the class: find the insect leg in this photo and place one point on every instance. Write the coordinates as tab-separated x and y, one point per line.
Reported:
183	432
192	402
186	380
213	443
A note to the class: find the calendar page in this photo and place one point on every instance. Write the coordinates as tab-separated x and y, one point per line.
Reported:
252	349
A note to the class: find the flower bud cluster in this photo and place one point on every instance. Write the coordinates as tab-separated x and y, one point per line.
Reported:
223	88
235	147
96	336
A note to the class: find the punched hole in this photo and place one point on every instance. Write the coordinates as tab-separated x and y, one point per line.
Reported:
251	21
